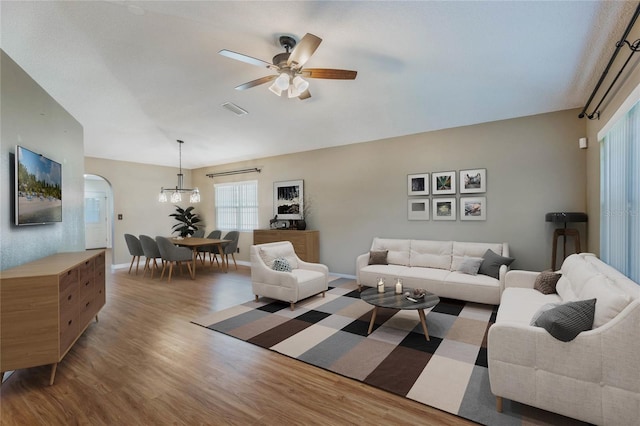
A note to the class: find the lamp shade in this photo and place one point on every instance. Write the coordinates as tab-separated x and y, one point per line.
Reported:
282	81
300	84
275	89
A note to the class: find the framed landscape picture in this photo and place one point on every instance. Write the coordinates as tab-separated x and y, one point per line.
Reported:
418	209
288	199
473	181
444	209
473	208
443	183
418	184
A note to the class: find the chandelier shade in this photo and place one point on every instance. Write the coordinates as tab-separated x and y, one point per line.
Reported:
176	193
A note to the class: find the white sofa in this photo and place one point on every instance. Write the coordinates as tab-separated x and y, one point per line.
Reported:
304	280
433	266
596	376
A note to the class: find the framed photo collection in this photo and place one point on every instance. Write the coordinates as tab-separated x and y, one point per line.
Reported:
467	181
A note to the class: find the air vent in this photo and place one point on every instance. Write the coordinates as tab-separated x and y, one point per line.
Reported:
234	108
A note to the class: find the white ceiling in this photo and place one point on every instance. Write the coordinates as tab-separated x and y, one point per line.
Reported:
140	74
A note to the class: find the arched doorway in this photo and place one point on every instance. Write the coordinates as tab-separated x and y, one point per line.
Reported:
98	212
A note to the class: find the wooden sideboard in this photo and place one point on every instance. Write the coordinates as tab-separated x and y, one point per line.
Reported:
45	305
305	243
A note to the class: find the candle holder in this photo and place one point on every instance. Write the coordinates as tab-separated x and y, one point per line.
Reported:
398	286
380	285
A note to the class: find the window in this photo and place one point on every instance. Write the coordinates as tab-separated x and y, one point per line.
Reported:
620	194
236	206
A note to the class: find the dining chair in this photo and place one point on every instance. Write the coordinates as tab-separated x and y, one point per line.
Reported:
231	247
172	254
135	250
198	233
212	250
151	253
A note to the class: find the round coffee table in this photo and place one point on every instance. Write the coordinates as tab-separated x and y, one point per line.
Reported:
389	299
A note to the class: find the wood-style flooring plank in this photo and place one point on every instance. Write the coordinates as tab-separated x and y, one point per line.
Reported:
145	363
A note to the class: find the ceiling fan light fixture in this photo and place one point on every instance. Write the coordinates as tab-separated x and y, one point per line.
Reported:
282	81
275	89
300	84
293	92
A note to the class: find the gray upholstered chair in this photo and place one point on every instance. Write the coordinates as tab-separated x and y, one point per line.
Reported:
212	250
151	253
230	247
278	273
198	233
135	250
172	254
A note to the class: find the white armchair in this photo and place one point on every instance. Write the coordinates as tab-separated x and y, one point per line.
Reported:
305	279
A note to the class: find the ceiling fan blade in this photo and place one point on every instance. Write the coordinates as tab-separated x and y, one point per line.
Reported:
253	83
329	73
303	50
244	58
304	95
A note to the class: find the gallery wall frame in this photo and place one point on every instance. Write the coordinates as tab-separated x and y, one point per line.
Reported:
443	183
444	208
473	181
288	199
418	209
473	208
418	184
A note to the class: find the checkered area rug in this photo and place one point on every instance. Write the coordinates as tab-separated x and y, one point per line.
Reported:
449	372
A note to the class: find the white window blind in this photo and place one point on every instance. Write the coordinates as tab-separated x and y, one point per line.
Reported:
620	195
236	206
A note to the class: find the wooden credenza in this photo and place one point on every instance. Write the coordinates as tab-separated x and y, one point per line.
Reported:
45	305
305	243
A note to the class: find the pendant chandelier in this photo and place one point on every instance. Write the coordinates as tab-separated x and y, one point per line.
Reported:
176	193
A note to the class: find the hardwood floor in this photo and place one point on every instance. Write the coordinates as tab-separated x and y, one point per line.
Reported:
145	363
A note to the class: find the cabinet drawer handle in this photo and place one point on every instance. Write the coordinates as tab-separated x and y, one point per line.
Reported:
69	297
87	283
68	272
87	305
70	321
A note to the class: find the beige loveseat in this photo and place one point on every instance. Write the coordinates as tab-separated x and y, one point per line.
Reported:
596	376
433	266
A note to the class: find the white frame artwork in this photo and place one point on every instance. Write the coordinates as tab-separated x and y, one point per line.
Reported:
418	209
418	184
473	208
437	212
473	181
288	192
435	177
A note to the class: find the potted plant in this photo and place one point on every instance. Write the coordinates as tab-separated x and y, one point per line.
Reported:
187	220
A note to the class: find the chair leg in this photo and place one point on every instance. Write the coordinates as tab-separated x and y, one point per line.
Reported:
293	306
190	270
170	271
499	404
133	259
234	261
146	266
164	266
323	294
256	297
137	265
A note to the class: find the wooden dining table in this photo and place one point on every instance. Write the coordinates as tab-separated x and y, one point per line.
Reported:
195	243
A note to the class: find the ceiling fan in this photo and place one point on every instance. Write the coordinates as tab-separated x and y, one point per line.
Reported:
288	66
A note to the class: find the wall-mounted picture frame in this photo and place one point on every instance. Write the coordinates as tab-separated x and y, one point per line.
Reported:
418	209
443	183
418	184
444	208
288	199
473	181
473	208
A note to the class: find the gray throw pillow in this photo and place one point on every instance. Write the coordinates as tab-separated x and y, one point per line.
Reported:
546	282
470	265
378	257
281	264
492	262
566	321
544	308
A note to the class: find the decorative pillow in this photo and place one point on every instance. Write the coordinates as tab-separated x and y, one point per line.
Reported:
546	282
470	265
492	262
378	257
281	264
566	321
544	308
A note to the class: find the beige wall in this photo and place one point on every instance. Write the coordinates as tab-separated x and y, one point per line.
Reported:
626	84
33	119
359	191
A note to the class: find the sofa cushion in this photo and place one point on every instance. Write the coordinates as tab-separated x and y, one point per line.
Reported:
610	301
378	257
431	254
492	262
281	264
520	304
398	250
546	282
270	254
470	265
566	321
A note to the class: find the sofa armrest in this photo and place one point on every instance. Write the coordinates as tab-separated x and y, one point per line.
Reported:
361	262
318	267
520	279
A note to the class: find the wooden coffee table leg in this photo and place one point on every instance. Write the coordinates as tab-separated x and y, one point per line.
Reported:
423	321
373	319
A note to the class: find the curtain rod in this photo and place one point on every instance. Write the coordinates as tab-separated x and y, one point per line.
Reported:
234	172
622	42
